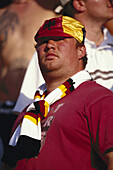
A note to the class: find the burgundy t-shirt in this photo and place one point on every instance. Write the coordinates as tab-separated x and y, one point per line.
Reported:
77	132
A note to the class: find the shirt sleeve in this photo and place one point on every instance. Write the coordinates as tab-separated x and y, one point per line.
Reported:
101	125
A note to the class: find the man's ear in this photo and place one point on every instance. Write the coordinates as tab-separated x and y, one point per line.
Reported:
81	51
79	5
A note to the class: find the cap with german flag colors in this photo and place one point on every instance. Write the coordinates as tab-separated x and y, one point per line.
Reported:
62	26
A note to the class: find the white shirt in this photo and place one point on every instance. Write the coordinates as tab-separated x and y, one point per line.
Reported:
100	60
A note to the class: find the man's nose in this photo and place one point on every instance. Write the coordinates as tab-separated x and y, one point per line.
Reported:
51	44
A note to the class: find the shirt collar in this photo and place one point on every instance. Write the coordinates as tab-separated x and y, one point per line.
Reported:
78	78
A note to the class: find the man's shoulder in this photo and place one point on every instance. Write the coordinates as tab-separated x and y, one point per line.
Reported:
89	86
90	90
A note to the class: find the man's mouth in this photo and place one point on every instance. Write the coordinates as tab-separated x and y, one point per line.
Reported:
51	56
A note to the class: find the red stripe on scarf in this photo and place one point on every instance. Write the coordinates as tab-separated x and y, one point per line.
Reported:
34	115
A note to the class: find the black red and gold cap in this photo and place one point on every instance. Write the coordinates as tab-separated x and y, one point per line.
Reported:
62	26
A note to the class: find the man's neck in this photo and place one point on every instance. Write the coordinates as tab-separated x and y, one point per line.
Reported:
93	29
95	35
53	82
52	85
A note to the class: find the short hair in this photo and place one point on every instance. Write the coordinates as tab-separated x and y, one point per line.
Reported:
68	9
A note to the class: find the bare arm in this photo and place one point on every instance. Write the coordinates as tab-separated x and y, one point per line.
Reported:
109	160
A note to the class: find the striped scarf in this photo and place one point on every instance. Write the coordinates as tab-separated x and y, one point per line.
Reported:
25	141
40	108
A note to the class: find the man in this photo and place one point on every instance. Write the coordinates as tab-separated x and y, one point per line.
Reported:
70	123
19	21
99	43
17	43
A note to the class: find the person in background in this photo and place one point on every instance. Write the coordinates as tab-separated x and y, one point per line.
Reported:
99	46
3	134
71	117
99	42
17	43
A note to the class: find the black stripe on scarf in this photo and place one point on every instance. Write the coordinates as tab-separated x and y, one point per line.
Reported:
70	81
26	148
38	108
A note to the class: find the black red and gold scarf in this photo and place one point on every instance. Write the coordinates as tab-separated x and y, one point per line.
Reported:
25	141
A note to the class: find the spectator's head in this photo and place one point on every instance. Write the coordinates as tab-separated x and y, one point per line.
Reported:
99	10
60	46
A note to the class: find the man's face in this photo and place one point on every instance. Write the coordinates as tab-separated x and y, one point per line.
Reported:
58	55
99	9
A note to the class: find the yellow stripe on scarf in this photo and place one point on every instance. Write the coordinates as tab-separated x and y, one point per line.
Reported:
46	104
32	119
63	89
37	96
